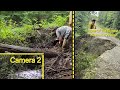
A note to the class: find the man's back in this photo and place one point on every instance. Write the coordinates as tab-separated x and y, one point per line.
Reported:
64	30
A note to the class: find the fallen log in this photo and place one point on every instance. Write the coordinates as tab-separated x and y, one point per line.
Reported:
19	49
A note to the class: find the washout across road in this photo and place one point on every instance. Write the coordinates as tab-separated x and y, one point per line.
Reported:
107	65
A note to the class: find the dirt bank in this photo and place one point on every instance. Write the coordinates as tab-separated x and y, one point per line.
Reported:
59	67
87	49
93	45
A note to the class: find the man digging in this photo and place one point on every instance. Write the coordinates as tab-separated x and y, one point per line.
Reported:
63	33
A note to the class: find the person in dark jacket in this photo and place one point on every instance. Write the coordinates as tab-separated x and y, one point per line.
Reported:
93	26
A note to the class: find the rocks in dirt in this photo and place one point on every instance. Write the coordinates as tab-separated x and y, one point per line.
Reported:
31	74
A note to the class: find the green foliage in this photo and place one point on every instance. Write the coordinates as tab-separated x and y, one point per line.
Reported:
116	24
16	26
31	17
12	34
110	19
118	35
84	61
55	21
81	22
93	15
7	68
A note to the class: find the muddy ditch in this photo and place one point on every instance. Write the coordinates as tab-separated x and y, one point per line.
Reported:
59	67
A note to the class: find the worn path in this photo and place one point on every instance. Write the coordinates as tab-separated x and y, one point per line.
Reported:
108	64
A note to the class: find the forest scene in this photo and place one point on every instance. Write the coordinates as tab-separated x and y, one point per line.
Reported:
32	32
97	41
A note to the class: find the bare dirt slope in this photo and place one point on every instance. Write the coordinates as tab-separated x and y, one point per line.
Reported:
59	67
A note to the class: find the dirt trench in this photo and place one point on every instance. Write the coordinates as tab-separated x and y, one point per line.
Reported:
59	67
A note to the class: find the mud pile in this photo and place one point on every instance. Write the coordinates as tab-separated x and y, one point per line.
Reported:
59	67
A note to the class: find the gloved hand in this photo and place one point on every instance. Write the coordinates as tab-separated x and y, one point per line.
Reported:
63	50
60	40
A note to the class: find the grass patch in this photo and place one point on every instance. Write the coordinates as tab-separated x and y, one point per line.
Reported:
118	35
84	61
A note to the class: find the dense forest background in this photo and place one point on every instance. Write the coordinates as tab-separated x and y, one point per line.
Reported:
110	19
16	26
107	20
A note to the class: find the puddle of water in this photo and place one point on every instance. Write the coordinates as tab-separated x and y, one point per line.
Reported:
31	74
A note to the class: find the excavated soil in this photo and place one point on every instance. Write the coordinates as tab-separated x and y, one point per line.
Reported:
59	67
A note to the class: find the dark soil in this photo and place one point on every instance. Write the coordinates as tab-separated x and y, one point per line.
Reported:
59	67
93	45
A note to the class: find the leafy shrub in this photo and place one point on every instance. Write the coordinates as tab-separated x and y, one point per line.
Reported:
83	61
14	34
118	35
56	21
81	22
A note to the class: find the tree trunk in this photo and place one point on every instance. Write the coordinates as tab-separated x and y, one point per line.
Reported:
70	18
19	49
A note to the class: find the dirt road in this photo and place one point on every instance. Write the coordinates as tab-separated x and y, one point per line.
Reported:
108	64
